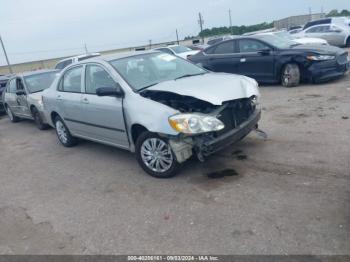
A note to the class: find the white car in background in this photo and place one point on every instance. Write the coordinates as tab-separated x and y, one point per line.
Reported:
298	39
70	60
178	50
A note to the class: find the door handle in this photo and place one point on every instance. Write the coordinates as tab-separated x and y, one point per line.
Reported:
59	97
85	100
243	60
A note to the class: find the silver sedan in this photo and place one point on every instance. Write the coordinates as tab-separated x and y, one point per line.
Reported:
162	107
22	97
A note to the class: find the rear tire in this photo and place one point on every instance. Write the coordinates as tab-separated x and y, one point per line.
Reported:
155	156
12	117
38	120
290	75
63	134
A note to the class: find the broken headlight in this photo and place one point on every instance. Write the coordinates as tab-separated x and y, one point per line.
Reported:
195	123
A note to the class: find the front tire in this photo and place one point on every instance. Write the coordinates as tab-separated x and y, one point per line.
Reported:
12	117
63	134
155	156
290	75
38	120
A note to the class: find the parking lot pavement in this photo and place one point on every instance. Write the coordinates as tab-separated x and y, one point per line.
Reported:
288	194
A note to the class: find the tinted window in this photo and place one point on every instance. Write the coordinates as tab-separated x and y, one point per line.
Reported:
224	48
214	41
97	77
72	80
249	45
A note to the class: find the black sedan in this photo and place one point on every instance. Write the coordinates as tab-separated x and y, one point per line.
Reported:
271	59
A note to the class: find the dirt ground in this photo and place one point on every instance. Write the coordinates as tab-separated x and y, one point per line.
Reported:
287	194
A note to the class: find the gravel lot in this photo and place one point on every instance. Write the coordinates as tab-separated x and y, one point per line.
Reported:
288	194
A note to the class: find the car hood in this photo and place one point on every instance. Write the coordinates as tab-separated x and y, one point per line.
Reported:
310	40
214	88
321	49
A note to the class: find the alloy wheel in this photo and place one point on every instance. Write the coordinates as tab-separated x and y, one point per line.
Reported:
156	155
61	132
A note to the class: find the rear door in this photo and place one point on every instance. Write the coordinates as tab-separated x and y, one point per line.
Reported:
102	115
256	59
68	98
21	99
223	57
10	95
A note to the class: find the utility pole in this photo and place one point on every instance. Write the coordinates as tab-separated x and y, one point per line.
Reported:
310	14
177	37
201	22
229	15
86	50
150	44
7	59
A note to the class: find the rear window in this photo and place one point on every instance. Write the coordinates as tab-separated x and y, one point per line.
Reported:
63	64
39	82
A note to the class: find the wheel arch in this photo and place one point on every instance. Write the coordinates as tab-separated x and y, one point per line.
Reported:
136	131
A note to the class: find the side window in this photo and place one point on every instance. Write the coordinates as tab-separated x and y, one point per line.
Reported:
249	45
63	64
313	30
71	80
96	77
12	87
225	48
19	84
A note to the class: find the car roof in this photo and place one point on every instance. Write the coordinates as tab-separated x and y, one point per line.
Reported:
36	72
78	56
115	56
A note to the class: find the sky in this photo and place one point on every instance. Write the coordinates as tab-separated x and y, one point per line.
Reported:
39	29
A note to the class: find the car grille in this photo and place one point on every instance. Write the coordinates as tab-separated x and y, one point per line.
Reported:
235	113
343	58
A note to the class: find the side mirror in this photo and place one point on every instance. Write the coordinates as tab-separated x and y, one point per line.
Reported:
264	51
110	91
20	92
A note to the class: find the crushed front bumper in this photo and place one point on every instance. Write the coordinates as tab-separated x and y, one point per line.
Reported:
207	147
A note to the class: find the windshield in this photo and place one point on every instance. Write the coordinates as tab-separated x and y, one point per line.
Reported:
279	42
39	82
180	49
142	71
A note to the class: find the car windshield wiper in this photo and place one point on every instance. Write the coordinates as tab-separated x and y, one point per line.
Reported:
145	87
188	75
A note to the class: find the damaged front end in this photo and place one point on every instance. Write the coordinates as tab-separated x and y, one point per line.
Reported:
221	125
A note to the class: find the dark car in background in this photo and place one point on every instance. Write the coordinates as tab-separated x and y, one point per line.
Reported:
271	59
3	81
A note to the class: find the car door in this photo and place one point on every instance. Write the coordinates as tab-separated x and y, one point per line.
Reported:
257	60
334	35
10	95
222	57
103	116
21	99
68	99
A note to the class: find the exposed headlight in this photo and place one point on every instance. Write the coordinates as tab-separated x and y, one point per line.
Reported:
320	57
195	123
255	100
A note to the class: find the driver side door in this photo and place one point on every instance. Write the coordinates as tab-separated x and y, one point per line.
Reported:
102	116
257	60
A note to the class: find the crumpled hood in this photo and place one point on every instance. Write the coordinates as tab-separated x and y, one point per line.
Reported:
214	88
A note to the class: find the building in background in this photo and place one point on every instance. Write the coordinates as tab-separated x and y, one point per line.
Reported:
297	20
